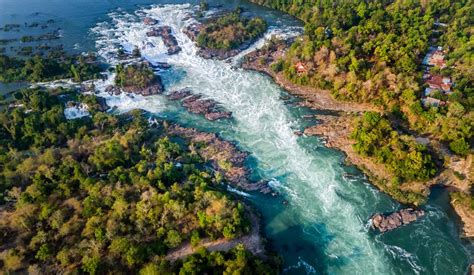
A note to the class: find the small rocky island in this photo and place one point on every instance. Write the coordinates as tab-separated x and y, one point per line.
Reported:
194	103
137	78
226	35
396	219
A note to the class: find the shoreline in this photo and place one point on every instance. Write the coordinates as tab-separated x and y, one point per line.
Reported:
335	129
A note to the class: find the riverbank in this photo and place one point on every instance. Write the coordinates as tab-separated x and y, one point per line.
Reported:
336	128
260	61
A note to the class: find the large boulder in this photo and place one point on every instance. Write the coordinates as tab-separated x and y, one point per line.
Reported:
383	223
102	102
195	104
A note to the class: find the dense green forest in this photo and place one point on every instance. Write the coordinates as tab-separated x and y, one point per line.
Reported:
56	65
108	193
401	154
371	51
230	31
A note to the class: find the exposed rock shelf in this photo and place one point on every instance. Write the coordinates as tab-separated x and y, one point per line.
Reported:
394	220
195	104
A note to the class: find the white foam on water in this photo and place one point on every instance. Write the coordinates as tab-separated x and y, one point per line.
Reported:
74	112
309	269
400	254
238	192
264	126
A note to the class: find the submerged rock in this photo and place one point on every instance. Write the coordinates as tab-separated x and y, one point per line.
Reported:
394	220
161	65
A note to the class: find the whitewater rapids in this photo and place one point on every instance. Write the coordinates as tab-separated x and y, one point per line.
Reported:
330	210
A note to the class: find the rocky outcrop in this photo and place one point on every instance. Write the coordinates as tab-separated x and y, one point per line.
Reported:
195	104
394	220
154	88
168	39
224	157
102	104
193	30
113	90
178	95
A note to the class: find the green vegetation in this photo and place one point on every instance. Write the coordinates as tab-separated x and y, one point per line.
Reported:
56	66
371	51
236	261
230	31
107	194
134	75
401	154
466	200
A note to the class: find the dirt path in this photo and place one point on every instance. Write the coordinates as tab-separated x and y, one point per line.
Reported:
251	241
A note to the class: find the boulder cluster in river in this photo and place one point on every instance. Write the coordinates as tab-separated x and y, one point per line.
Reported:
394	220
195	104
168	39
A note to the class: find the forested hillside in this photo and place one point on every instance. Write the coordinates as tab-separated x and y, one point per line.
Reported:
372	51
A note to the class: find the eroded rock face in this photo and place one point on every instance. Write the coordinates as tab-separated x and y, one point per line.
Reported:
394	220
168	39
195	104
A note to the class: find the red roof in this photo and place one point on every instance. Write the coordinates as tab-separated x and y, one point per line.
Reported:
300	67
436	82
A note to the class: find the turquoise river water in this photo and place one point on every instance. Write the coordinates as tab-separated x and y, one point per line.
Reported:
324	229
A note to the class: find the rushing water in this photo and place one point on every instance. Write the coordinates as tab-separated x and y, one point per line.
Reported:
324	229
